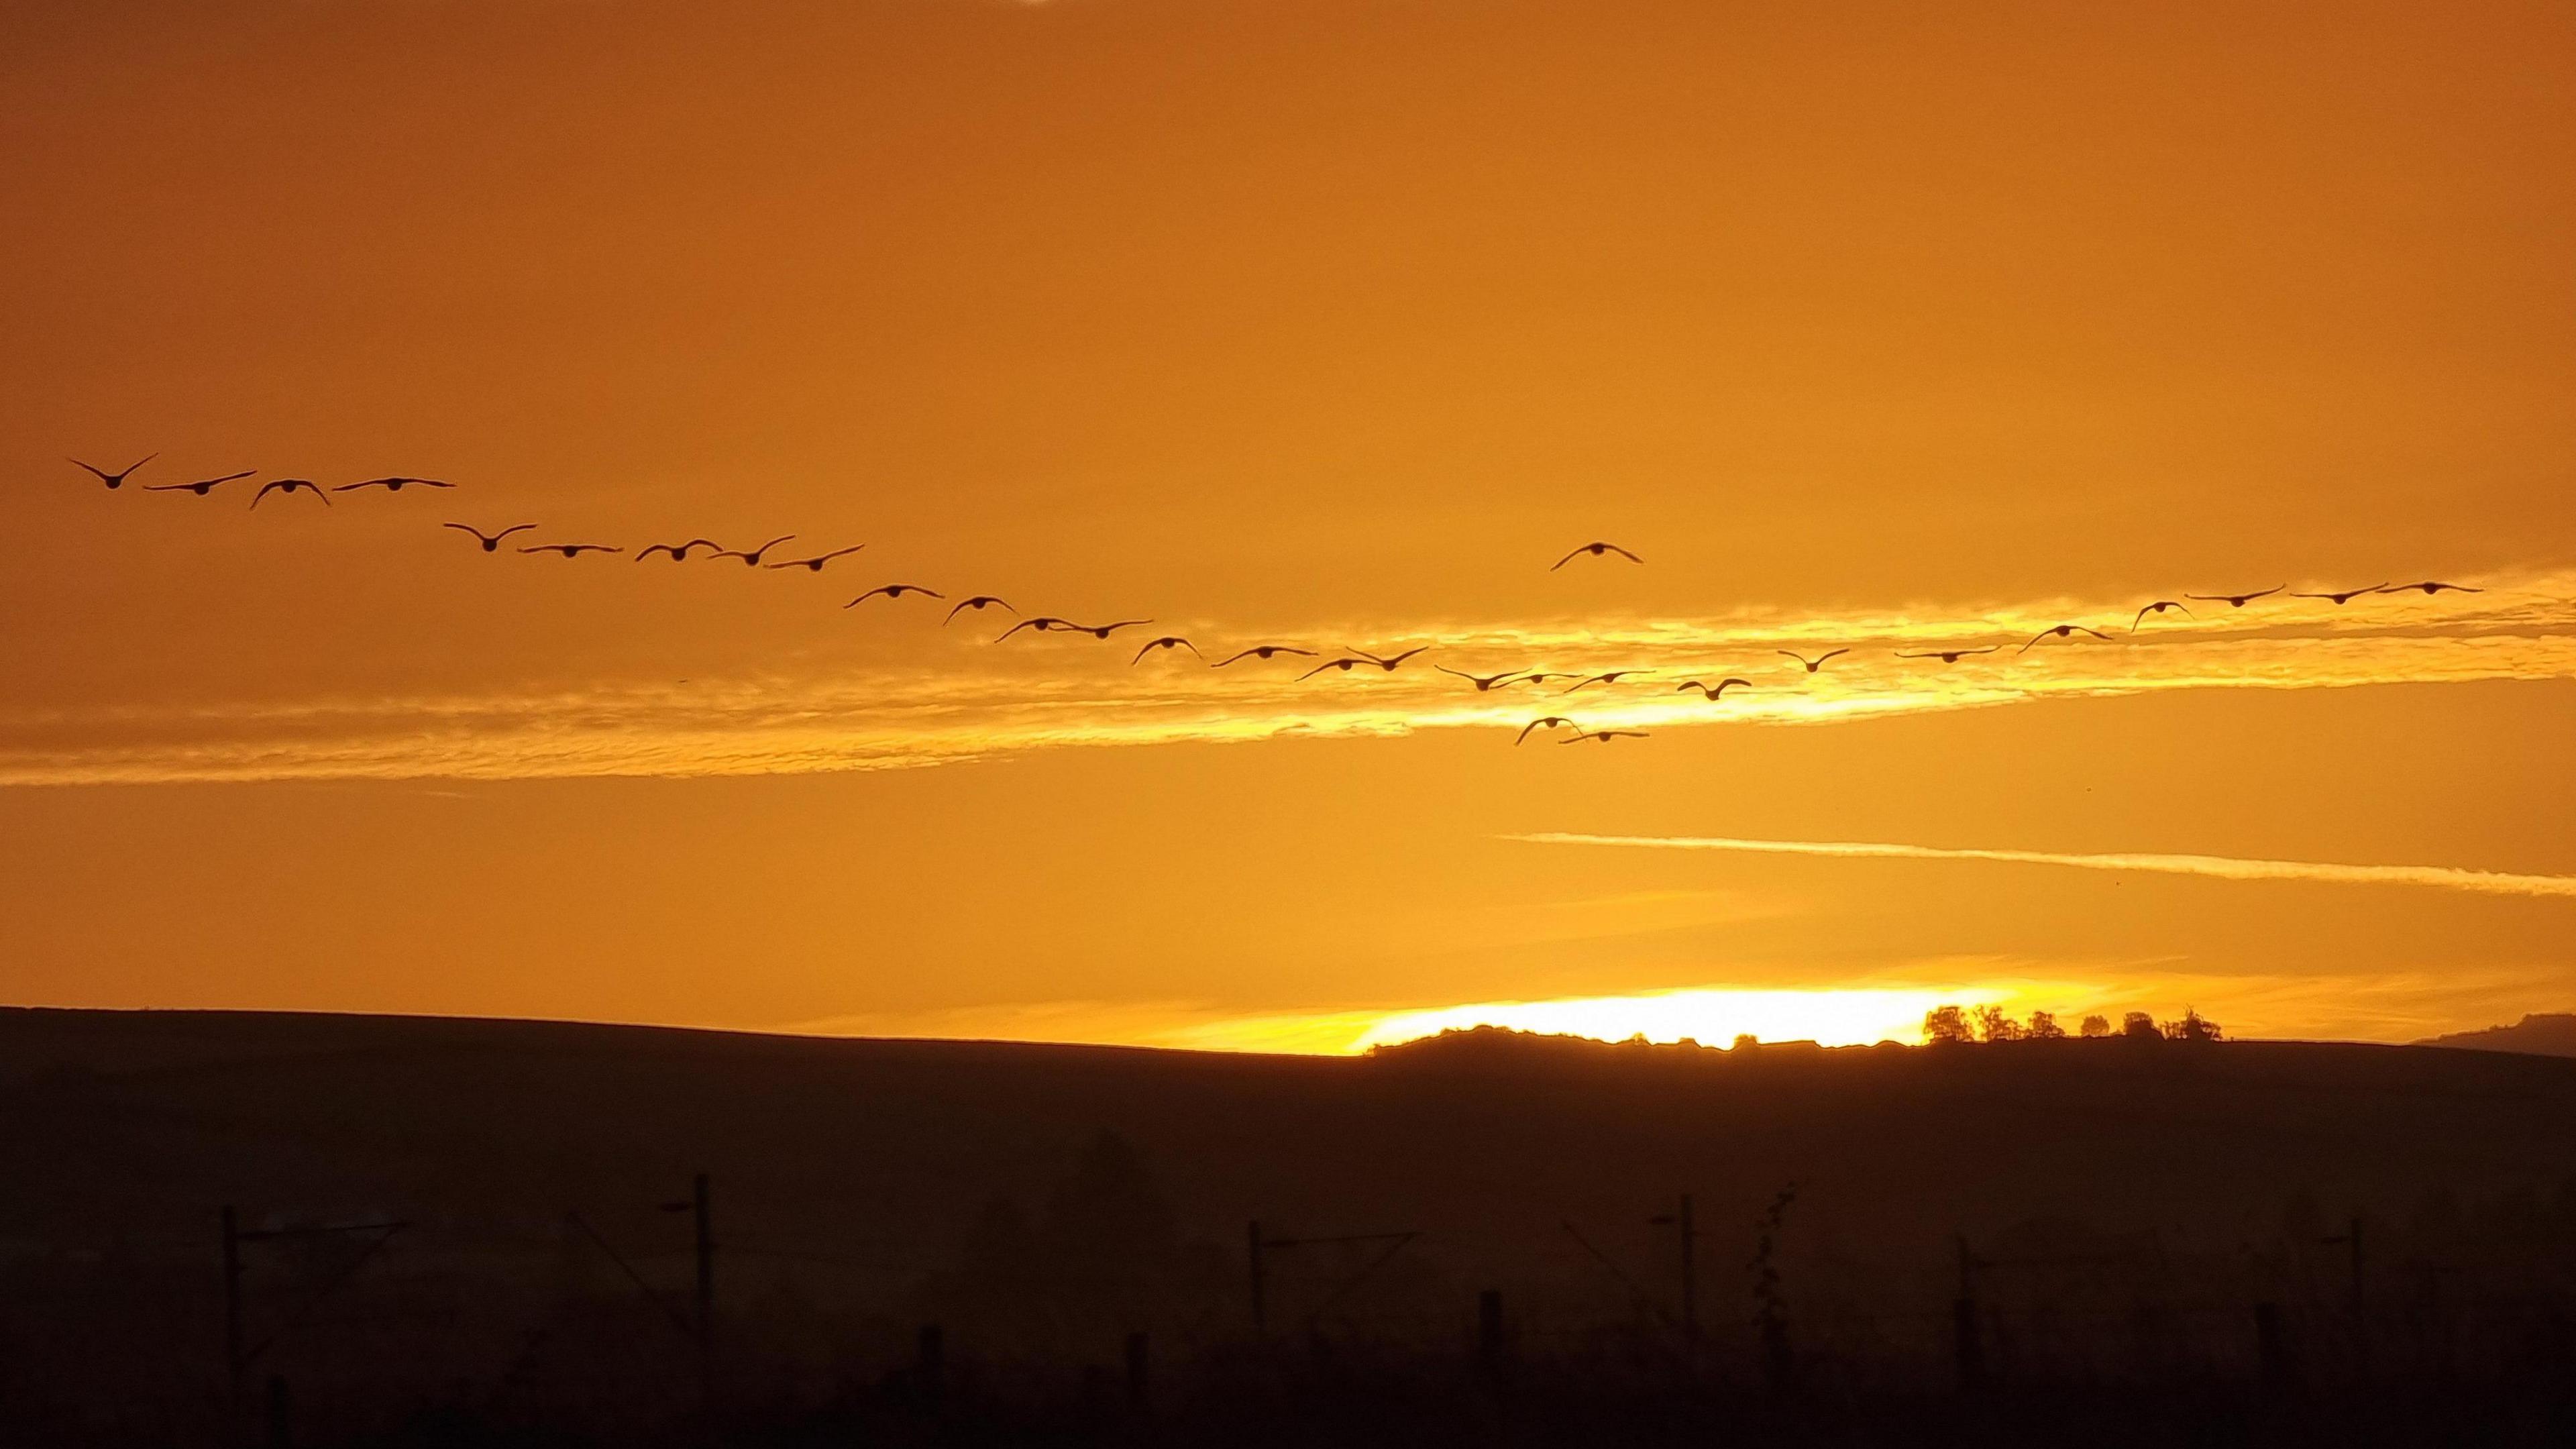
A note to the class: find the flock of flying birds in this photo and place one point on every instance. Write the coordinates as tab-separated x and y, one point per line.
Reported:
1345	662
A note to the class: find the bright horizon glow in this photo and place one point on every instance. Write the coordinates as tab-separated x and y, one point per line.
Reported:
1712	1017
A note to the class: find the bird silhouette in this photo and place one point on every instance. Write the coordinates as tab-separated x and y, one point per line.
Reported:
1389	664
1713	692
1168	641
815	564
2158	607
1263	651
979	604
1604	736
393	485
1596	548
1612	677
1948	656
1816	663
491	541
201	487
893	591
2062	631
2433	586
1043	623
751	557
290	485
2344	596
2236	601
1103	631
679	552
1547	676
1482	682
1549	722
113	480
572	550
1345	664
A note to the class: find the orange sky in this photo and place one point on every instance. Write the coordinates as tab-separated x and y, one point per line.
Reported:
1323	322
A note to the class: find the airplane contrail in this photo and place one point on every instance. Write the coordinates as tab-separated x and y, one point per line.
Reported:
2220	867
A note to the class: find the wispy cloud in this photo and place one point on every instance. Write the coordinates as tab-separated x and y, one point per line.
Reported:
2219	867
826	712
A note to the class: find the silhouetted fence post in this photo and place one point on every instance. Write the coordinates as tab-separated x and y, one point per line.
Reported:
1137	1348
280	1434
234	1362
706	1245
1489	1331
928	1363
702	1317
1690	1274
2351	1239
1967	1343
2271	1348
1252	1244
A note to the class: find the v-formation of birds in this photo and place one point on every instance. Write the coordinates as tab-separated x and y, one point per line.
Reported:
1345	663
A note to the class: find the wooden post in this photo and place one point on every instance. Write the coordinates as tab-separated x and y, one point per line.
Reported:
1136	1365
1690	1273
1968	1342
2271	1347
1489	1329
280	1434
928	1366
1252	1245
706	1298
234	1361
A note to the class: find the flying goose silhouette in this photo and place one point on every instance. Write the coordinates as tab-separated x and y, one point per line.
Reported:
1816	663
1612	677
1604	736
815	564
201	487
1168	641
1549	722
2158	607
1721	687
2236	601
979	604
1483	682
1596	548
893	591
2063	631
572	550
679	552
751	557
290	485
393	485
1263	651
2433	586
491	541
1947	656
2342	597
113	480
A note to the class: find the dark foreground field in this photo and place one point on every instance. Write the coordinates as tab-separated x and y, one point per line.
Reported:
472	1231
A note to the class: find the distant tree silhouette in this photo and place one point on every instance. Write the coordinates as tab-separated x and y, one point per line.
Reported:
2096	1026
2043	1027
1947	1024
1994	1025
1746	1041
2192	1026
2137	1025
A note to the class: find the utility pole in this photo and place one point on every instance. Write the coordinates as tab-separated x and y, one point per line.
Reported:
2351	1239
1260	1320
706	1289
703	1321
234	1361
1690	1266
1970	1344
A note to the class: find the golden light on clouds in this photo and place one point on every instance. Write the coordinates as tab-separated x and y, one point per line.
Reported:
831	706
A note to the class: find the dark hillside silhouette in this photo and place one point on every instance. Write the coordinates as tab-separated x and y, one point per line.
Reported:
494	1219
2550	1034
